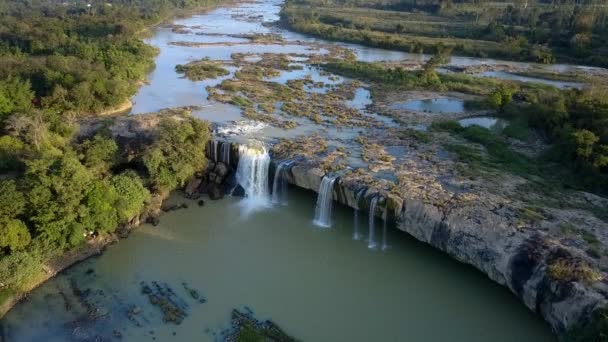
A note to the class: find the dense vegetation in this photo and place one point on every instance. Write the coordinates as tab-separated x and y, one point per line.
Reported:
539	31
73	58
574	122
59	61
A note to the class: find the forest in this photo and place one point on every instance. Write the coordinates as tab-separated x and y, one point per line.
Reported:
539	31
61	62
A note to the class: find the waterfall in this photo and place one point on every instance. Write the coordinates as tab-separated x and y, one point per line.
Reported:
279	185
384	229
371	243
212	150
252	175
356	234
324	202
226	153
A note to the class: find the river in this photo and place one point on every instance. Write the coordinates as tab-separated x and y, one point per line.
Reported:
317	284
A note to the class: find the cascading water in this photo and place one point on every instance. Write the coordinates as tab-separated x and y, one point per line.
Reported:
279	185
356	234
384	229
252	175
371	243
226	153
324	202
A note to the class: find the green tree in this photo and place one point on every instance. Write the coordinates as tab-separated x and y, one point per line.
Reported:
99	154
56	192
584	141
10	150
101	201
132	195
12	201
177	153
501	97
15	95
429	75
13	234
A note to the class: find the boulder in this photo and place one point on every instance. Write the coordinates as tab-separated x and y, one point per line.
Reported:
221	169
192	187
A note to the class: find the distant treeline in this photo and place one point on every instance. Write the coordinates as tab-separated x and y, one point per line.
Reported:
546	32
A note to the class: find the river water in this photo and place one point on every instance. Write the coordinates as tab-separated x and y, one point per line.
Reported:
317	284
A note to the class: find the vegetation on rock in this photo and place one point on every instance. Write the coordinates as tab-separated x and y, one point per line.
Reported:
201	70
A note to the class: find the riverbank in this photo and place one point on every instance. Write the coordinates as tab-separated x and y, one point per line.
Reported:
92	247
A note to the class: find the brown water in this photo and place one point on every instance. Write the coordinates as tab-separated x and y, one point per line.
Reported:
317	284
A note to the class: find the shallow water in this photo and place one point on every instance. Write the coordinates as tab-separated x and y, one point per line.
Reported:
437	106
166	88
317	284
489	122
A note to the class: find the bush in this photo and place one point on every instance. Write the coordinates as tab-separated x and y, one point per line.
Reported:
132	195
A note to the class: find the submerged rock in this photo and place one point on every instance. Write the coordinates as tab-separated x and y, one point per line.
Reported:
173	207
194	294
163	297
245	327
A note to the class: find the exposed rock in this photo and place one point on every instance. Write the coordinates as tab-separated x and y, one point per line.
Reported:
238	191
221	169
153	220
192	187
